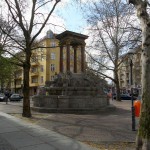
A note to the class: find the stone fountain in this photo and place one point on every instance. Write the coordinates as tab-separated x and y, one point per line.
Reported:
71	92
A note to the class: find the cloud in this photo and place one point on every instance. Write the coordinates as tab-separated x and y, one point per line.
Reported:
55	23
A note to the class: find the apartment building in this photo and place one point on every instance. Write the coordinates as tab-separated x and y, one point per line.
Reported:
46	61
125	70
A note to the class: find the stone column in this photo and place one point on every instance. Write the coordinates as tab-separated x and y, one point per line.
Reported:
68	56
61	59
75	59
83	58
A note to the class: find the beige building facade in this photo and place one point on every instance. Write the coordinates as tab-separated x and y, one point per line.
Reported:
125	70
51	58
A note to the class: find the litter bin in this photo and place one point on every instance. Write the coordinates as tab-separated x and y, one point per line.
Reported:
137	107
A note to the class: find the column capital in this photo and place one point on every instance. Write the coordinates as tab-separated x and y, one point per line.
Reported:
75	46
68	41
83	44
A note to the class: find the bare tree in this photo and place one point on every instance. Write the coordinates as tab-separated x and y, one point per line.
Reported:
111	31
143	137
29	22
6	67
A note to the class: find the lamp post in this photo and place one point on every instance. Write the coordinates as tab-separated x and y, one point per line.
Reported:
131	53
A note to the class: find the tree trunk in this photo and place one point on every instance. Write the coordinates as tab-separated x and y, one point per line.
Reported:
15	84
143	137
117	87
2	85
26	92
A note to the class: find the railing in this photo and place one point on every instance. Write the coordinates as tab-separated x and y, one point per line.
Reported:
36	73
34	84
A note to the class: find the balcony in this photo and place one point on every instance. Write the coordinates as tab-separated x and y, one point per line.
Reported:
35	73
34	84
18	86
35	63
122	79
18	77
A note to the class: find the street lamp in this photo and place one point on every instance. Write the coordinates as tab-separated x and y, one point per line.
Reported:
131	53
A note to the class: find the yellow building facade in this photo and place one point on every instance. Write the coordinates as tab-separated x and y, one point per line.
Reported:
45	64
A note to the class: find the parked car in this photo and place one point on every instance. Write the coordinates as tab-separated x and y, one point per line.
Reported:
2	97
125	97
15	97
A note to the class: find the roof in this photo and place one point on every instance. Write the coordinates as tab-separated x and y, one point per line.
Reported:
134	50
70	33
131	51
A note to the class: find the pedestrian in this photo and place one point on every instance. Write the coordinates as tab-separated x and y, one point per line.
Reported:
6	96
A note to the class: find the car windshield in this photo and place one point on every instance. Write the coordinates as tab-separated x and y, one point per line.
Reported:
2	95
124	95
15	95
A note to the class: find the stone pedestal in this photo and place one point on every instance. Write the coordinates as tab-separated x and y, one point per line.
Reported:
72	92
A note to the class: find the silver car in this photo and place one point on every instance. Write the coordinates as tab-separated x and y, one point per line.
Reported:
15	97
2	97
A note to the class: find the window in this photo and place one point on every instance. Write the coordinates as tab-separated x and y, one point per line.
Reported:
42	57
42	50
42	79
52	78
18	82
34	58
53	43
53	56
52	67
41	68
34	80
34	69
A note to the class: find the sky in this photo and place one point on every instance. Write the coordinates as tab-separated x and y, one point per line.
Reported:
66	14
69	16
73	17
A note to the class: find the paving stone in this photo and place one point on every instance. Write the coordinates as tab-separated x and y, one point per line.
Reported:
4	145
39	147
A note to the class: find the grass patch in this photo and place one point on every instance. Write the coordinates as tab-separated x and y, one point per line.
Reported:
112	145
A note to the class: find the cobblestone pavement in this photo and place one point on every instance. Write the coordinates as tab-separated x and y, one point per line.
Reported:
106	126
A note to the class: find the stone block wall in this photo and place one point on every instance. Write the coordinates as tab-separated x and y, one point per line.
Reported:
72	102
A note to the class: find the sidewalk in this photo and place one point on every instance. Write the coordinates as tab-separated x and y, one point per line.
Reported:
16	134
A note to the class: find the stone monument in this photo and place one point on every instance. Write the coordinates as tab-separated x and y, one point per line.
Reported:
71	92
